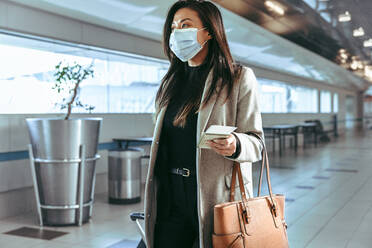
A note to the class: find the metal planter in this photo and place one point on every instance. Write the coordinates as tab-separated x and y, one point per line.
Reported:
63	154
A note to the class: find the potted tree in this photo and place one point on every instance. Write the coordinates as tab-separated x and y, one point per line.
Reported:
63	153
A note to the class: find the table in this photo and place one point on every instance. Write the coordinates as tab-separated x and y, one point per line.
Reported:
280	131
136	140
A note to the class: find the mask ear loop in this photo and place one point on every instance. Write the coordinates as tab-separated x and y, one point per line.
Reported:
204	41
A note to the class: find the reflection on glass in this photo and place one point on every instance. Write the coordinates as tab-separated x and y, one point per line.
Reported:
311	3
335	103
302	99
121	84
279	97
325	101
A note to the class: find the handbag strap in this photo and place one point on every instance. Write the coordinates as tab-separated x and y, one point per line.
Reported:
245	207
237	170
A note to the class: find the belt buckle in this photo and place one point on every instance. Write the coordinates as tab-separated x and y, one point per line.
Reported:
187	172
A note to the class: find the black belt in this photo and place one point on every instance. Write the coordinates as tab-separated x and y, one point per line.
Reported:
182	172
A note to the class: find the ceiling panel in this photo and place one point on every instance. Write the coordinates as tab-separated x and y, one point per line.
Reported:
249	42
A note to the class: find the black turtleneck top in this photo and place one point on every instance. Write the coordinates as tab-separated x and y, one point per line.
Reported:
181	142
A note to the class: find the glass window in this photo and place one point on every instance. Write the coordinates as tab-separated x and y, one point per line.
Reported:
311	3
122	83
279	97
326	16
302	99
325	101
335	103
273	96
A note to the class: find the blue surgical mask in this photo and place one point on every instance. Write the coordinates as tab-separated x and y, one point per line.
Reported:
184	43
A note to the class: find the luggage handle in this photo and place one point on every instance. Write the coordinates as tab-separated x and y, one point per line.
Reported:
135	216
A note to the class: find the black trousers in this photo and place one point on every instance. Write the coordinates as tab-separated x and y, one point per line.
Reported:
180	227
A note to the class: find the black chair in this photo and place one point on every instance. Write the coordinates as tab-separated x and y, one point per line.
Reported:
323	136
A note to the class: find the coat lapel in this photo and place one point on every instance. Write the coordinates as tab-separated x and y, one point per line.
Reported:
205	112
159	123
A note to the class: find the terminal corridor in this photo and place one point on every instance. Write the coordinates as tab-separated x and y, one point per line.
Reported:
328	202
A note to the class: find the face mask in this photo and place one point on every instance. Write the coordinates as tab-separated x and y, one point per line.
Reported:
184	43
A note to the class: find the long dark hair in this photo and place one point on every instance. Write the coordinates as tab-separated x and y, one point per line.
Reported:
218	58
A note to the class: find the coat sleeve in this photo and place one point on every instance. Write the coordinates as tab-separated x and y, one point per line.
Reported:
248	119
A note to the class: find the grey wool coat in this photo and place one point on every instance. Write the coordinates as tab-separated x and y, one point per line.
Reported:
213	170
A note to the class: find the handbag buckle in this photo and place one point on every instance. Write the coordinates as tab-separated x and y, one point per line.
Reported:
285	224
246	216
274	210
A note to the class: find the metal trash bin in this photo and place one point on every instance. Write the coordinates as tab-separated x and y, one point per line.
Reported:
124	175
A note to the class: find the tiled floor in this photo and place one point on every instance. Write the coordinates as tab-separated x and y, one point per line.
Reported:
328	191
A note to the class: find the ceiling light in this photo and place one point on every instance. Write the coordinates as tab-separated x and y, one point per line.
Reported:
358	32
367	43
342	50
344	17
343	55
273	6
354	65
368	71
360	65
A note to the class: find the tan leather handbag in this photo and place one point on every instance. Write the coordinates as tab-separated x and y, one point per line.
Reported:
256	222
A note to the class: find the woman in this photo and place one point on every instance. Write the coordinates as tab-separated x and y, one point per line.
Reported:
202	87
